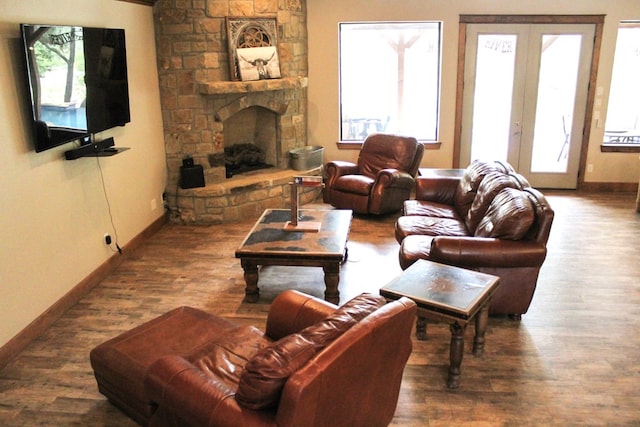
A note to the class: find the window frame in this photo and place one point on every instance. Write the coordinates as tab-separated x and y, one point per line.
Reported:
620	147
428	143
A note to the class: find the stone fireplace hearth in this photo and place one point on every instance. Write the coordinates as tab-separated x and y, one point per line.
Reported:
204	111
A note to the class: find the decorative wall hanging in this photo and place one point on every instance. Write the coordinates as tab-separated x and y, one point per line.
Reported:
258	63
246	32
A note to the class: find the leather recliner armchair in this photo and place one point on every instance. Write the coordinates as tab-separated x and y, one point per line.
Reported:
315	364
382	179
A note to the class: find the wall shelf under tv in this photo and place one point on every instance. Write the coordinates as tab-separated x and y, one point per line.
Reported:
104	148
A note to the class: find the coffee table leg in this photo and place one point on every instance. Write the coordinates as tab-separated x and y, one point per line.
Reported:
421	328
482	318
331	280
251	279
456	351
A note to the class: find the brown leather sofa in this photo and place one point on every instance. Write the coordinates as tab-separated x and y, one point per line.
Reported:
489	220
382	179
315	365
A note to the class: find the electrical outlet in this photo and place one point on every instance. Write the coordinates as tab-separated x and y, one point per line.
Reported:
154	204
590	168
107	239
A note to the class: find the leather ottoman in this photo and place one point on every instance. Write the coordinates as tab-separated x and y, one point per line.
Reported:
120	364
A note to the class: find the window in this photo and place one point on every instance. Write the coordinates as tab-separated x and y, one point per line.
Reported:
622	127
389	79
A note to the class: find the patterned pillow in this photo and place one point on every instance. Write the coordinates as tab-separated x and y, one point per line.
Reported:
265	375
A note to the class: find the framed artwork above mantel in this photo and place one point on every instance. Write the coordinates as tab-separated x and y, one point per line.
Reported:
249	32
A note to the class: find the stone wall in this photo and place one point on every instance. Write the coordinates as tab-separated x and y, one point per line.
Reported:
197	93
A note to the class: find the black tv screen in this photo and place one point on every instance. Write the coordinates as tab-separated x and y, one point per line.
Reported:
77	81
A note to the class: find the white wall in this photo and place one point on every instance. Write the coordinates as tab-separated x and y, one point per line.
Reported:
323	19
53	212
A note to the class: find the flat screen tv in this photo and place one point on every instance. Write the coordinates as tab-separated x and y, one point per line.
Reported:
77	80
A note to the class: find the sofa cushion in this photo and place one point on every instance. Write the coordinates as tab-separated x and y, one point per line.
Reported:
415	207
356	184
225	358
492	184
509	216
428	226
264	376
384	151
469	183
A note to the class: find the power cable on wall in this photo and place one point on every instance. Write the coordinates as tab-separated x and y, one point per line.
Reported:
174	212
176	215
106	197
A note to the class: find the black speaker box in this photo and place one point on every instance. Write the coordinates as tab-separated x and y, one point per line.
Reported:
191	177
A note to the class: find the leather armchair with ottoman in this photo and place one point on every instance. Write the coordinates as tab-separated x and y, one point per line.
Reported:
489	220
382	179
316	364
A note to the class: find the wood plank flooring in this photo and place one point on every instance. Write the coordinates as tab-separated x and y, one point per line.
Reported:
574	359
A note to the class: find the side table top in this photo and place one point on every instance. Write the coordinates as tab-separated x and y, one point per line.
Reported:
453	173
441	288
268	238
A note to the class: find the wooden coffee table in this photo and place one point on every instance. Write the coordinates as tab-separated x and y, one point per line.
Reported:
270	243
447	293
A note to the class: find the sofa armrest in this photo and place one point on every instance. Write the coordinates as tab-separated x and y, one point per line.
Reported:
176	385
182	390
393	178
292	311
333	171
338	168
473	252
437	189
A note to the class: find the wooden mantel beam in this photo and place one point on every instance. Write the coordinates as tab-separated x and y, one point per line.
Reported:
144	2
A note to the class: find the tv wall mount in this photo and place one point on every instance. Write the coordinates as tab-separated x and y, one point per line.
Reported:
102	148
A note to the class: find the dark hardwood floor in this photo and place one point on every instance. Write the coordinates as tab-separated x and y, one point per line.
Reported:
573	359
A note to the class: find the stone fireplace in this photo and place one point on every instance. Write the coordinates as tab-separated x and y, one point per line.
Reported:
204	111
250	141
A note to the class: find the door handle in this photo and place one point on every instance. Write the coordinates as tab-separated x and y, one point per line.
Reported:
517	129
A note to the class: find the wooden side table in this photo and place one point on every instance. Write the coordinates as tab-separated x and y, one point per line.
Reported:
451	294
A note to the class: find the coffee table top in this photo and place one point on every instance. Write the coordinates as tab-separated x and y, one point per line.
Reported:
269	239
445	289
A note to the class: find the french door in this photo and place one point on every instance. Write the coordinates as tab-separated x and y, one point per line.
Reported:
525	98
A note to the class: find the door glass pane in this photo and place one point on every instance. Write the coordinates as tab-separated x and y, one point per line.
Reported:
495	65
559	60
